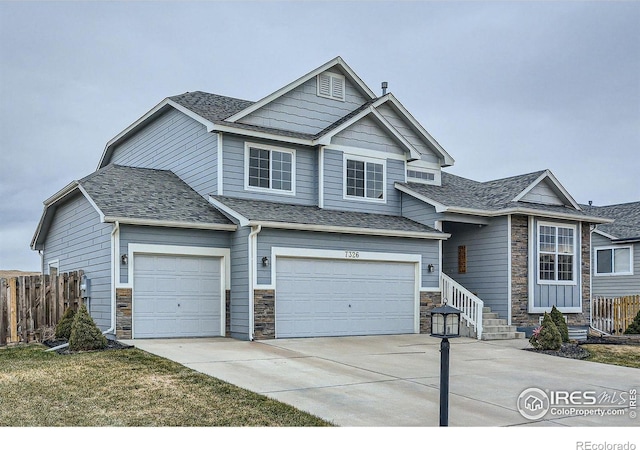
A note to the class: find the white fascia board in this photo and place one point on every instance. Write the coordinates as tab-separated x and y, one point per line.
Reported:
438	206
221	128
351	230
303	79
547	174
448	160
607	235
170	224
227	211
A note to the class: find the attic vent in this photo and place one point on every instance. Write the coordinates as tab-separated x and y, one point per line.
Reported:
331	85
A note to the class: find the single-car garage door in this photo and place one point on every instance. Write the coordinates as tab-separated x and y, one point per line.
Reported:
328	297
176	296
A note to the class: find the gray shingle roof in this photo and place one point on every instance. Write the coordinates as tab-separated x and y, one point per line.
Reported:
495	195
626	217
148	194
262	211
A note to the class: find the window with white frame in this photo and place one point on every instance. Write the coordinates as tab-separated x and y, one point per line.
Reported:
556	254
614	261
364	179
331	85
270	168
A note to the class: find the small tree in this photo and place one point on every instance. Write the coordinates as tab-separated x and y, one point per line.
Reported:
558	320
547	336
63	329
634	327
85	335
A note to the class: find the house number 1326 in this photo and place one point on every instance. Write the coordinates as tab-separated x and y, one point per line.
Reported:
351	255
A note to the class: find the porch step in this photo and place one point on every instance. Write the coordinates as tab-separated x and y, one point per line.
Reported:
494	329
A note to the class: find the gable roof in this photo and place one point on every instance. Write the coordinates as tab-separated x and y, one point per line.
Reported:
312	218
136	196
497	197
626	225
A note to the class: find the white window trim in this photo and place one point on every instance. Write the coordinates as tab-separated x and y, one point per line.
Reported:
612	274
382	162
247	147
332	76
55	263
576	245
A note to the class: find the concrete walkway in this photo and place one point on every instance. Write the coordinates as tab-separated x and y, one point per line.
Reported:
394	380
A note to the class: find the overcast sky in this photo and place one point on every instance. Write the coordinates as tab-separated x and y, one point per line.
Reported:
506	88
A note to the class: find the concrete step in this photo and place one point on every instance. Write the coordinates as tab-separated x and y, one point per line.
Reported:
490	315
493	322
498	329
486	309
502	335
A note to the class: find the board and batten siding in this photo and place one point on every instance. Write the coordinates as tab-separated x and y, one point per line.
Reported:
269	238
614	285
302	110
78	240
334	187
130	234
174	142
306	177
487	261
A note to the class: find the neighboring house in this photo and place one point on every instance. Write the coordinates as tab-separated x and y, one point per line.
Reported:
320	210
616	251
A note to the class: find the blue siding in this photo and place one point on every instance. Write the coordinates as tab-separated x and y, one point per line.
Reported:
618	285
80	241
168	236
269	238
487	261
334	187
174	142
240	283
368	134
234	166
419	211
302	110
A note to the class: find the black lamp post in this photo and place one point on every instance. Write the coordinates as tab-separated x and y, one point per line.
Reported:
445	323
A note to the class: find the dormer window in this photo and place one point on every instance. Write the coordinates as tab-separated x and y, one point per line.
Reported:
331	85
420	176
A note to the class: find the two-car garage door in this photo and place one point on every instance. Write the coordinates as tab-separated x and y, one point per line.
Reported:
333	297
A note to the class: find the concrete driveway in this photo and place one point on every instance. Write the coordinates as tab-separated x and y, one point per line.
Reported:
394	380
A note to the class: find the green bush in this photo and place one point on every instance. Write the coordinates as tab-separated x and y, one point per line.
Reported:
558	320
63	329
634	327
85	335
546	336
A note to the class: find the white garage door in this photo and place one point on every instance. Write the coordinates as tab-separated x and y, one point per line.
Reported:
325	297
176	296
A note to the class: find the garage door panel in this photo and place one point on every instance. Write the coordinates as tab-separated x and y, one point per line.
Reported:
177	296
324	297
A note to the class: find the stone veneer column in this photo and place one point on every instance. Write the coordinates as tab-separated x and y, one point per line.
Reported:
264	311
428	301
123	313
227	309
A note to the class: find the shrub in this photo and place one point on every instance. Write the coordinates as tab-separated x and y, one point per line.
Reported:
547	336
63	329
634	327
558	320
85	335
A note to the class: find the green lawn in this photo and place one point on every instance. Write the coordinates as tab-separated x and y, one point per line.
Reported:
126	388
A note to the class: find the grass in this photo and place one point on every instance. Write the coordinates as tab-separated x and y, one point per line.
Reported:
619	355
128	388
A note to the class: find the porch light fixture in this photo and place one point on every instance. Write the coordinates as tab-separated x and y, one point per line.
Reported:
445	324
265	261
430	268
124	259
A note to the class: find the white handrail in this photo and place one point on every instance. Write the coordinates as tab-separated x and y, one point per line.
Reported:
454	294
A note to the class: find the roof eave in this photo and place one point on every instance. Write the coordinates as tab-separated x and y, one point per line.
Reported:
170	223
548	174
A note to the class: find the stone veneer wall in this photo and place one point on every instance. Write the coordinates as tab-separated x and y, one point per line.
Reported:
428	301
520	276
264	310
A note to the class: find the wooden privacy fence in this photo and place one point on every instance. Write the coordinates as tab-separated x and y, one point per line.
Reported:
30	306
612	315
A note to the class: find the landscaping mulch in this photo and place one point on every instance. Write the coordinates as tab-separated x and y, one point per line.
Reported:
575	350
567	350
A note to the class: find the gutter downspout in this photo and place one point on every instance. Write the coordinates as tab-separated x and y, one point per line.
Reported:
115	239
252	249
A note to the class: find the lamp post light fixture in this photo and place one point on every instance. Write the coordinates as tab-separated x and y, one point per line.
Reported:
445	324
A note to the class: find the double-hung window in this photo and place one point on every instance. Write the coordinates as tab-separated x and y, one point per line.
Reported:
613	261
270	168
556	254
364	179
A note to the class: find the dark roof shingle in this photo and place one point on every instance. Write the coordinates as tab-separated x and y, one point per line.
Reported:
626	217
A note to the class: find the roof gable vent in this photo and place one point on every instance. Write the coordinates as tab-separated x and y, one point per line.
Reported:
331	85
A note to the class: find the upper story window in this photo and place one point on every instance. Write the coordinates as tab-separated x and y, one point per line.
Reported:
269	168
420	176
331	85
614	261
364	179
556	254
